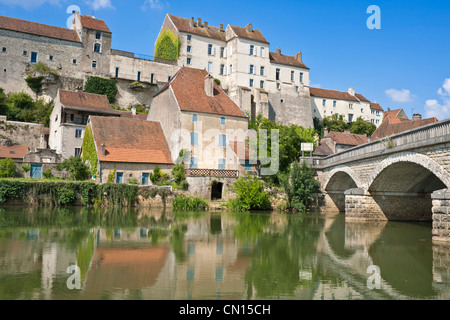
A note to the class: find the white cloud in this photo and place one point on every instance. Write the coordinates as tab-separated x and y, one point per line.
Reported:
445	89
399	95
152	5
29	4
99	4
435	109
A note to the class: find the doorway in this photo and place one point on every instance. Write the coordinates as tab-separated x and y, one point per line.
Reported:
216	191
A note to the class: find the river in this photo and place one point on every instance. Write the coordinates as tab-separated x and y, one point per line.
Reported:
74	254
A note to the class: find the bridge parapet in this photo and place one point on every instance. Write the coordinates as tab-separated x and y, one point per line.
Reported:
425	136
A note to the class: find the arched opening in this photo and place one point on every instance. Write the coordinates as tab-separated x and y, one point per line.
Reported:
403	191
216	191
339	183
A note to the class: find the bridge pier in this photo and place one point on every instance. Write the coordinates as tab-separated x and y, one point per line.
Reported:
441	215
362	205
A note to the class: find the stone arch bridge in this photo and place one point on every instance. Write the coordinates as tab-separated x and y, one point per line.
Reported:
403	178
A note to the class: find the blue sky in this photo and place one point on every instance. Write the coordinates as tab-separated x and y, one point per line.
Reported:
405	65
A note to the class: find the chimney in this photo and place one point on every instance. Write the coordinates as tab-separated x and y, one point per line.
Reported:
221	27
299	56
209	85
191	22
249	28
278	51
133	111
417	116
205	24
351	91
103	151
199	22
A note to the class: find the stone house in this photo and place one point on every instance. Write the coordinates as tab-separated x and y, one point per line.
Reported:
351	105
41	160
335	142
259	81
69	118
132	148
198	116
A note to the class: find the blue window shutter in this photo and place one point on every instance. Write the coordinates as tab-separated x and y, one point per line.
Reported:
222	120
194	138
194	118
222	140
194	163
222	164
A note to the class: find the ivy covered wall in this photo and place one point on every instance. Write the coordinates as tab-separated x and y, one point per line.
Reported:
89	150
167	46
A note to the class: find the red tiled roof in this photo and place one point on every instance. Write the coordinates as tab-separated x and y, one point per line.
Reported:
286	60
361	97
392	113
83	101
255	35
394	125
95	24
183	25
14	152
131	141
138	116
348	139
188	86
39	29
332	94
376	106
323	150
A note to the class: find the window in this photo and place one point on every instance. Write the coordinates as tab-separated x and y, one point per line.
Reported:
297	88
168	79
98	35
251	69
230	70
278	86
210	67
301	77
25	53
72	117
222	69
4	49
248	166
194	138
189	60
362	110
252	50
262	52
189	37
74	61
350	105
117	72
223	52
194	118
373	121
50	58
378	113
222	140
372	111
78	133
262	71
324	103
194	163
152	76
34	57
94	64
277	76
261	84
77	152
222	121
378	121
292	75
334	104
251	83
97	48
222	164
350	118
139	76
210	49
189	48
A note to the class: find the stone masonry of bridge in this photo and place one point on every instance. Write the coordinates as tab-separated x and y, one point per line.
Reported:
405	177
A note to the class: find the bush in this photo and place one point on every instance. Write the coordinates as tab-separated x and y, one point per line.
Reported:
26	168
179	173
250	195
133	181
107	87
184	185
156	175
7	168
78	170
184	203
299	185
167	45
47	174
89	150
111	176
66	196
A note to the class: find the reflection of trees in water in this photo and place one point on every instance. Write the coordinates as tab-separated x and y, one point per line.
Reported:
279	257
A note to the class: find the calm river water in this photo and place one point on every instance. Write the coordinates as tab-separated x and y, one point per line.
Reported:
156	255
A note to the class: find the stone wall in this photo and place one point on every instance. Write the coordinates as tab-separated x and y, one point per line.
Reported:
23	133
441	215
202	186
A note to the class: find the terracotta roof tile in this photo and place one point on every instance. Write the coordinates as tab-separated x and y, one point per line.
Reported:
286	60
38	29
323	150
394	125
348	139
392	113
332	94
255	35
131	141
183	25
14	152
361	97
188	86
77	100
95	24
376	106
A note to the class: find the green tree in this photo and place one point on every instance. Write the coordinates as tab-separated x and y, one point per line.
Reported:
7	168
77	169
335	123
107	87
250	195
89	150
167	46
299	185
362	127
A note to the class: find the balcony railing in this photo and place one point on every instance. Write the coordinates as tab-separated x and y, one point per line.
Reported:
132	55
212	173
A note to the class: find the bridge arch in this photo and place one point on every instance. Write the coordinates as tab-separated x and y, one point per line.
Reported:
414	168
341	179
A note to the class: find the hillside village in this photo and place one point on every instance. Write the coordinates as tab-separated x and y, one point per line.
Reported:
190	104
